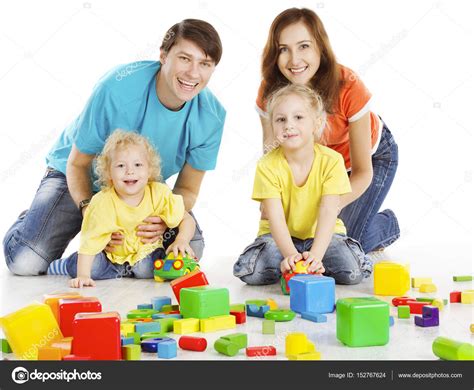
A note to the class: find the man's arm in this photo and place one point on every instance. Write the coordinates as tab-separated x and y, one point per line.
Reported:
188	185
78	175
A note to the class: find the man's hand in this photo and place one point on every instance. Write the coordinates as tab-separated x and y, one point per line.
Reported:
288	263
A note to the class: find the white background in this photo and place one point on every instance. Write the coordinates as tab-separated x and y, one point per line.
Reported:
415	57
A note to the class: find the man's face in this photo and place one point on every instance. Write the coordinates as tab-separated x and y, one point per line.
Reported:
185	71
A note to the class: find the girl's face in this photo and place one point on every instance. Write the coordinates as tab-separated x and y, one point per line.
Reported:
293	123
129	170
299	56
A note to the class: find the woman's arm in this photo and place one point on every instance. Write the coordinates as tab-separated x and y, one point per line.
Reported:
361	159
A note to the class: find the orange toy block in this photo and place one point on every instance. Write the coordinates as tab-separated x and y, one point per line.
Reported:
49	353
52	300
65	346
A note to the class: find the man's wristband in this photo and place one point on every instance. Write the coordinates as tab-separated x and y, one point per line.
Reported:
84	203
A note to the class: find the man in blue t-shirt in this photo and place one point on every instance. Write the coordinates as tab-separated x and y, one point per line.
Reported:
166	101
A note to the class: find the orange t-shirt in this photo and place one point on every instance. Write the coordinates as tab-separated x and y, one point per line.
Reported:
353	103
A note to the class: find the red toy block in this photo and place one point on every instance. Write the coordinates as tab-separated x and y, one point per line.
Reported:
193	279
455	297
191	343
402	301
97	335
266	350
415	306
75	357
240	316
68	308
174	312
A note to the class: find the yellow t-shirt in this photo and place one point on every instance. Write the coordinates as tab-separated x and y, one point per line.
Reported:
274	180
107	213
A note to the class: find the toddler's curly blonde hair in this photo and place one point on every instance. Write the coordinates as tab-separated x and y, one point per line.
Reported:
122	139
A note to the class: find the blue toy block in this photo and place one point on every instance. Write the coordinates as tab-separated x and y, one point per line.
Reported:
257	311
144	306
167	349
430	317
166	315
126	340
159	302
151	345
392	321
315	317
146	327
312	293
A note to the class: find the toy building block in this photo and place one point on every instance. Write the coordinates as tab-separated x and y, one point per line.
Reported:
455	297
462	278
136	337
68	308
27	329
312	293
214	324
131	352
428	288
97	335
240	316
315	317
75	357
237	307
159	302
49	353
257	311
167	324
306	356
448	349
145	327
145	306
52	300
204	302
391	278
472	328
166	315
467	296
5	346
415	306
362	322
298	343
266	350
240	339
268	327
151	345
391	321
186	325
195	278
152	335
64	346
438	303
190	343
226	347
417	282
403	311
167	349
127	327
141	313
280	315
273	305
126	340
430	317
170	308
425	299
256	302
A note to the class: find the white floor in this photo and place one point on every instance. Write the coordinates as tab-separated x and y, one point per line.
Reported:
407	341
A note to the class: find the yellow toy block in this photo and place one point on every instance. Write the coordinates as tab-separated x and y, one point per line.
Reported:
273	305
472	328
126	328
214	324
186	325
467	296
391	278
297	344
438	303
417	282
49	353
52	300
306	356
428	288
29	329
64	346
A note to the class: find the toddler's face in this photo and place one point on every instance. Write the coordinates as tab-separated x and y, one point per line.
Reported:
293	122
129	170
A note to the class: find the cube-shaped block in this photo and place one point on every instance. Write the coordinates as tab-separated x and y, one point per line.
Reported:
159	302
417	282
167	349
362	322
195	278
52	300
312	293
204	302
427	288
391	278
68	308
403	311
467	296
146	327
97	335
268	327
237	307
167	324
49	353
186	325
455	297
131	352
64	345
127	327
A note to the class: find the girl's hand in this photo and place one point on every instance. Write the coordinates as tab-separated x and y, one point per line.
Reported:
180	246
314	264
81	281
288	263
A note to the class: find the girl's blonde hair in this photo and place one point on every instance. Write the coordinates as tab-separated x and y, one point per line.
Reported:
122	139
310	96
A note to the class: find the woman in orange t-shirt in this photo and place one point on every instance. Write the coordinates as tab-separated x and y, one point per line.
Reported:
298	51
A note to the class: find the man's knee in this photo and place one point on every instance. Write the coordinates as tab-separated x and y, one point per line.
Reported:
26	262
198	247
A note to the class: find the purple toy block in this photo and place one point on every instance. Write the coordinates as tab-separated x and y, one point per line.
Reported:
430	317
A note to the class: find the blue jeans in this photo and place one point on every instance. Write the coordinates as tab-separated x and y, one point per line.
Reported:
375	230
344	260
42	233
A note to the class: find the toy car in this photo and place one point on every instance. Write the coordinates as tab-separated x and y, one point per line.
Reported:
172	268
300	268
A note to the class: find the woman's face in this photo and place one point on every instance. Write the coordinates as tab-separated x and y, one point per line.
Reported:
299	56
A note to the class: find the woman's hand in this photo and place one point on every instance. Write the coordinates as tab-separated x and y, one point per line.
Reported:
81	281
288	263
180	246
313	263
152	230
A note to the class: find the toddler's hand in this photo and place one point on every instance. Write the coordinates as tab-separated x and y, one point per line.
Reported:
81	281
314	264
180	246
288	263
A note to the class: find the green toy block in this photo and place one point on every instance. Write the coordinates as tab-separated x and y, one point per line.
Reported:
448	349
403	311
168	308
153	335
6	347
136	337
268	327
362	322
463	278
256	302
427	299
204	302
240	339
141	313
226	347
131	352
166	324
237	307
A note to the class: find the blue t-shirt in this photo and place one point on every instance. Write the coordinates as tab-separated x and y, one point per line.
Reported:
126	98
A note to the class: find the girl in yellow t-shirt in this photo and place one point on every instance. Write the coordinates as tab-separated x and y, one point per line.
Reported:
300	183
128	169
